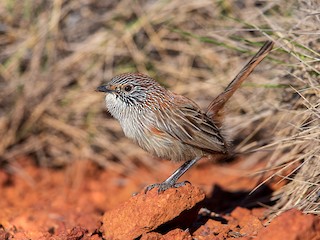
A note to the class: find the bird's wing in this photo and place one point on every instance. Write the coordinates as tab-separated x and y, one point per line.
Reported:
191	126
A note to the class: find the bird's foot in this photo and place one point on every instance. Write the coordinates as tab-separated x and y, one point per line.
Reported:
165	185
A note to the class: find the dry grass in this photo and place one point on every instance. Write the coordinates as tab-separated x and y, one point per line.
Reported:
55	53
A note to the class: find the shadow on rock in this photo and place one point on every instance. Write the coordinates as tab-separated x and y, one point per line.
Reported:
223	201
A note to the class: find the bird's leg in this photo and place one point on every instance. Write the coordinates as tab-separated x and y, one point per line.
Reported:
172	180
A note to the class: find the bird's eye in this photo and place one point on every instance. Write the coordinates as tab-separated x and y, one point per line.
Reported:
128	88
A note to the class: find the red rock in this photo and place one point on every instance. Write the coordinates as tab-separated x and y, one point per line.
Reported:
233	224
93	237
243	238
292	225
240	212
177	234
4	234
152	236
258	212
21	236
212	229
249	224
145	212
76	233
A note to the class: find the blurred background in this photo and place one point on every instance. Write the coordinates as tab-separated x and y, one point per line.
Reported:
53	55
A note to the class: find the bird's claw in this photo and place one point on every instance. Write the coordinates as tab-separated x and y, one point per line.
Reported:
165	185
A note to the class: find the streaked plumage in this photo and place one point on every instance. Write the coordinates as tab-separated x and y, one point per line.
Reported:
169	125
161	122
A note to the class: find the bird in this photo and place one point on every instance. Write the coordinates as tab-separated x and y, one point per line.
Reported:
169	125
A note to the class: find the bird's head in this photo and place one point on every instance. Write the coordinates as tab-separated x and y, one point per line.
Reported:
130	91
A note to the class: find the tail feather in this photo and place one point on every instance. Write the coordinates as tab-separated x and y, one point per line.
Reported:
218	103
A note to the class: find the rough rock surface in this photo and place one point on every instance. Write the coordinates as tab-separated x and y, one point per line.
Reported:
145	212
297	226
240	224
248	223
176	234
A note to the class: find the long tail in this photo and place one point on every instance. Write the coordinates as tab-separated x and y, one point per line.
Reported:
218	103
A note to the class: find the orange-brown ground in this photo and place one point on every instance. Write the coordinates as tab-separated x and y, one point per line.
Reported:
68	203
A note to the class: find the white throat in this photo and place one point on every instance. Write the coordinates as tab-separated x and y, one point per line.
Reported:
129	117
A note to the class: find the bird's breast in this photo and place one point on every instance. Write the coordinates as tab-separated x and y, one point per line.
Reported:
140	125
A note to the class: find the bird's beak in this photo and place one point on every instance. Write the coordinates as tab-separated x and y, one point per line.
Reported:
104	88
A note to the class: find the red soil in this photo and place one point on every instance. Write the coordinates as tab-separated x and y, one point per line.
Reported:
82	201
